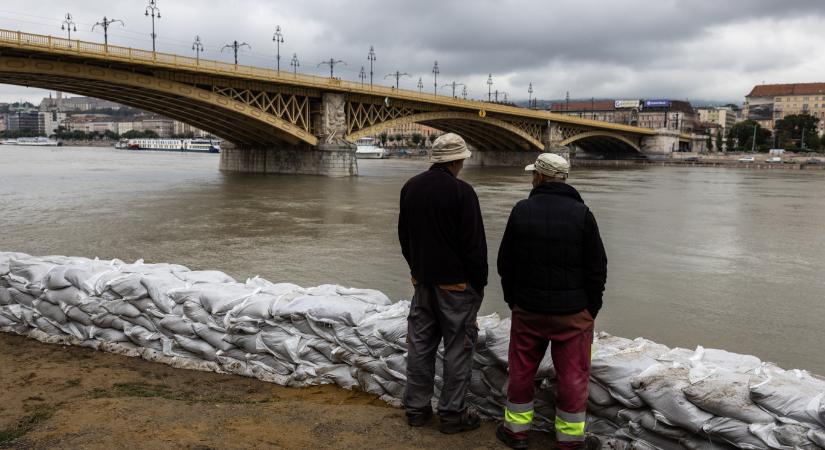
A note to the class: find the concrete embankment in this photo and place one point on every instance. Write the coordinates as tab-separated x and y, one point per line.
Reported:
635	163
642	394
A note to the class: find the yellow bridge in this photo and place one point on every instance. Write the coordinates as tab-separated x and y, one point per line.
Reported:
284	121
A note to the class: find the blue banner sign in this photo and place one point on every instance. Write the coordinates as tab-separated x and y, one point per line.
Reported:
657	103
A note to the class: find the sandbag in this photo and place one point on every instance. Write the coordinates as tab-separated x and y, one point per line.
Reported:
178	325
783	436
5	297
198	347
734	432
214	338
158	286
203	276
50	311
726	394
128	286
21	298
615	363
66	296
660	386
792	393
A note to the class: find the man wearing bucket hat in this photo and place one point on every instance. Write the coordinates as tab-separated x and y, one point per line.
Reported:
553	270
442	238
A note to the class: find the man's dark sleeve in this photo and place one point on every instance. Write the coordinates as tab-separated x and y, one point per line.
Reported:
595	265
403	233
505	259
473	239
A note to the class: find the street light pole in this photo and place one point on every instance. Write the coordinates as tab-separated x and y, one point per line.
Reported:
464	92
69	25
371	58
420	85
295	64
436	71
331	63
197	46
753	144
235	46
397	76
453	85
278	38
362	75
489	86
153	11
105	23
530	96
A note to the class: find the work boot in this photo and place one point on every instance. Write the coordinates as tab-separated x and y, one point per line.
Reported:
419	418
508	440
456	423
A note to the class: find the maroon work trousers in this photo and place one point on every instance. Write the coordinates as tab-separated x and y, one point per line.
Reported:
570	338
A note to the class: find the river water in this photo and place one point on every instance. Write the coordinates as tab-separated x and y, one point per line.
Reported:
724	258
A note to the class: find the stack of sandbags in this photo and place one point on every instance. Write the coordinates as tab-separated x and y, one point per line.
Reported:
643	395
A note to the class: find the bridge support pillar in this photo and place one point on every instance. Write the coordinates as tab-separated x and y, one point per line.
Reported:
328	160
661	145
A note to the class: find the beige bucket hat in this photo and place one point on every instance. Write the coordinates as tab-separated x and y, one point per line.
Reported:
449	147
549	164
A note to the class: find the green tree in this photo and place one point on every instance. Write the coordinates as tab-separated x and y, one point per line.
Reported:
743	132
708	143
391	138
383	138
729	142
399	138
433	137
416	139
719	139
790	132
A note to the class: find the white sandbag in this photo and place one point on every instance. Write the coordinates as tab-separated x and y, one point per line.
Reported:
276	289
247	343
5	297
642	439
142	321
733	362
78	277
497	343
216	298
364	295
214	338
783	436
817	437
328	308
647	420
77	315
178	325
599	395
203	276
67	296
43	324
195	312
144	304
615	362
792	393
147	269
282	344
340	374
144	338
128	286
253	309
31	270
107	320
120	308
198	347
734	432
6	257
21	298
56	278
111	335
158	286
703	443
50	311
726	394
660	386
385	329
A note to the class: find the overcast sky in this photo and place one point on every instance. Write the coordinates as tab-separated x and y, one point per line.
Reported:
679	49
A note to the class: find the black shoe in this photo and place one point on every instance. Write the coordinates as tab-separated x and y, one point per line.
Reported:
508	440
466	421
419	418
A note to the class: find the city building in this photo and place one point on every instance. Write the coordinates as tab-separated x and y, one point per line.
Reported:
671	114
767	103
49	121
408	129
23	121
72	104
724	116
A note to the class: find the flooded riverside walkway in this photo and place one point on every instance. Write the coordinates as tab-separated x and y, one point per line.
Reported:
724	258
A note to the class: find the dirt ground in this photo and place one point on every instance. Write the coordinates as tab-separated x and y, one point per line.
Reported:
69	397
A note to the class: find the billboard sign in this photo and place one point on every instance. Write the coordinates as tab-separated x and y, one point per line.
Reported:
657	103
624	104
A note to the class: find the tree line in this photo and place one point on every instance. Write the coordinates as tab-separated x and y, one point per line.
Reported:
797	132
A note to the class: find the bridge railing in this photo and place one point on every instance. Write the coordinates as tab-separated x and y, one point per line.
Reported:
132	55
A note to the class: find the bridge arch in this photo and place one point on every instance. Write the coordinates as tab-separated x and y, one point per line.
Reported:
479	131
212	112
602	134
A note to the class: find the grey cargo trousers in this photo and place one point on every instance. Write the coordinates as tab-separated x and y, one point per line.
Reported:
436	313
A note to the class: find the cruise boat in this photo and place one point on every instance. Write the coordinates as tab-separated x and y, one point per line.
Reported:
32	141
173	145
368	150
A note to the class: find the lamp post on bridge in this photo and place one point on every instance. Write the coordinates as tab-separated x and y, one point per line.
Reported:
362	75
397	76
453	85
420	85
235	46
278	38
436	71
371	58
489	87
530	96
464	92
69	25
105	23
331	63
295	64
153	11
197	46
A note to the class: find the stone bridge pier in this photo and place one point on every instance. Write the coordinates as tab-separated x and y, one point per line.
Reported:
332	156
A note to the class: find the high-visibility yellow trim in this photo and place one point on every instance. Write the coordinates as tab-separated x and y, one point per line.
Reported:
523	418
569	428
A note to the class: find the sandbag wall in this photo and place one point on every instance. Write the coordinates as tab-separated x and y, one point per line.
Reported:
643	395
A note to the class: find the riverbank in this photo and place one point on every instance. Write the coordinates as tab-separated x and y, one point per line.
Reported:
71	397
723	163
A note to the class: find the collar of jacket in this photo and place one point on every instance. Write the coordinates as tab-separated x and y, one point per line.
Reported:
442	168
557	188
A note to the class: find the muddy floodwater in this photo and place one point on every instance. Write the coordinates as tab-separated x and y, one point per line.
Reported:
725	258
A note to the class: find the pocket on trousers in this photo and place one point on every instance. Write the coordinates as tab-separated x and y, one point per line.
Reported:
470	333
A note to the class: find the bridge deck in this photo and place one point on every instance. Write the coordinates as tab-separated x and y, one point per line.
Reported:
56	46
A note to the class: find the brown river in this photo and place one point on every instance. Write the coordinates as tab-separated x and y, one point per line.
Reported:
725	258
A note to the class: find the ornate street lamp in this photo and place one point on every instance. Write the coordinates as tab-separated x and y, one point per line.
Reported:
331	63
153	11
464	92
278	38
436	71
362	75
197	46
530	96
453	85
235	46
420	85
69	25
295	64
397	76
105	23
489	86
371	58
